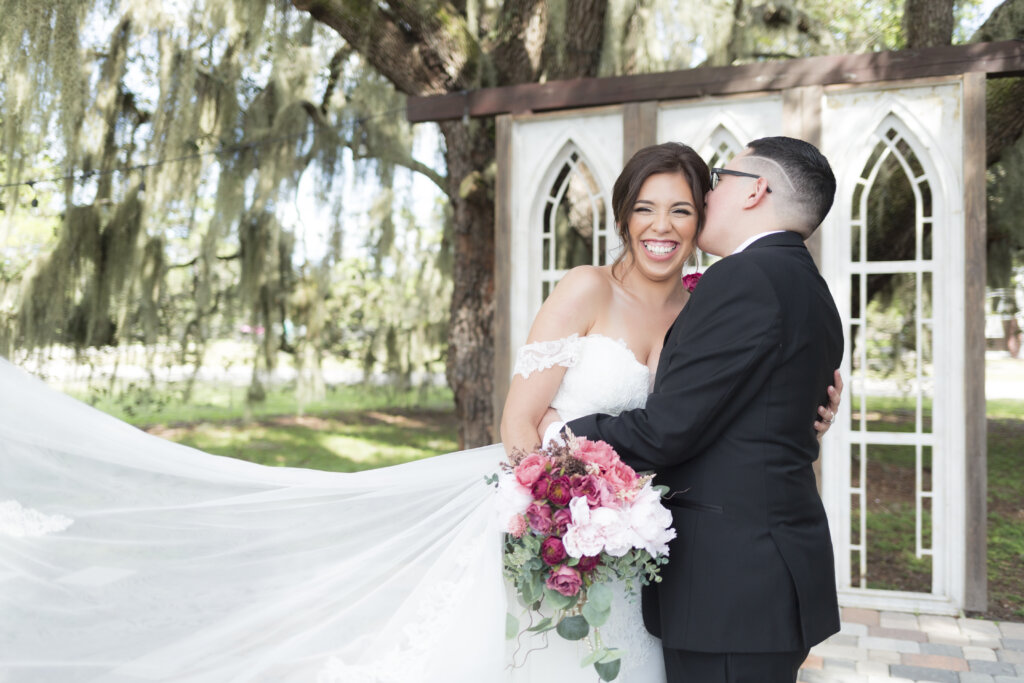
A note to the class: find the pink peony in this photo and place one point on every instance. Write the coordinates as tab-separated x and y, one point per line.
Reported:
690	281
517	526
562	519
597	452
565	580
621	476
551	550
560	491
588	562
539	517
530	469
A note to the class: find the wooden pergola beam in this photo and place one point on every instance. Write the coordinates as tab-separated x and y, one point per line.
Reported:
993	59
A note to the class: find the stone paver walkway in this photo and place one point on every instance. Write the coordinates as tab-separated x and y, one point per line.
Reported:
894	647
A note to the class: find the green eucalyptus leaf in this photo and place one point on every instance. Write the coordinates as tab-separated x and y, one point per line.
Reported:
558	601
573	628
545	624
594	656
511	626
608	671
594	616
600	596
530	591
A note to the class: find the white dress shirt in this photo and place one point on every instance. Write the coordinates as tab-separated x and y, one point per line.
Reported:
753	238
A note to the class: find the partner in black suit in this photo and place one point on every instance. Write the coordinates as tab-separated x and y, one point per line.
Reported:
750	585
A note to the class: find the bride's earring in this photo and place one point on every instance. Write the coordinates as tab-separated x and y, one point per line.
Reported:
693	263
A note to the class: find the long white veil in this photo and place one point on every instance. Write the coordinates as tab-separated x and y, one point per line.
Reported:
124	557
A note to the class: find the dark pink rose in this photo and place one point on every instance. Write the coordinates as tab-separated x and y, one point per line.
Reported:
621	476
588	487
565	580
551	550
562	518
587	563
540	487
530	469
560	491
538	515
690	281
596	452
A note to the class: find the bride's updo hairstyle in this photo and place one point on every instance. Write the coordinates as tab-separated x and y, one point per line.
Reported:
668	157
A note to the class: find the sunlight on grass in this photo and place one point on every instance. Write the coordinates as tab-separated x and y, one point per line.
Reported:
343	442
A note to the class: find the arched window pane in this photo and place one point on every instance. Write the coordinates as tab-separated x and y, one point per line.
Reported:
575	219
574	231
891	214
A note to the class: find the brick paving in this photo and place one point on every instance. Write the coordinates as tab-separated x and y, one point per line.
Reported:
895	647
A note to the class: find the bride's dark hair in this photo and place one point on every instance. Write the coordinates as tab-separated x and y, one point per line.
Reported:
668	157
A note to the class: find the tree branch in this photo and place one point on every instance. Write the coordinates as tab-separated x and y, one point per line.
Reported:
194	259
393	154
425	50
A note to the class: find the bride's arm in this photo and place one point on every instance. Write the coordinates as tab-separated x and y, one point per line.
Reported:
570	309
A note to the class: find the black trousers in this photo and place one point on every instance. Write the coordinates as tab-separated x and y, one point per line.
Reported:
683	666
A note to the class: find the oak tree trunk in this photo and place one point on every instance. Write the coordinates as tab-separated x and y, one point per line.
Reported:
470	367
928	23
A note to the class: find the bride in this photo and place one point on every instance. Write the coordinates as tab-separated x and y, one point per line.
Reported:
124	557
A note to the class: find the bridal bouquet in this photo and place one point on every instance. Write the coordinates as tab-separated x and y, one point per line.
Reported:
577	518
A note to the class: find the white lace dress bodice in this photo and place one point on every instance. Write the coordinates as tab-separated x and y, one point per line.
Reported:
602	375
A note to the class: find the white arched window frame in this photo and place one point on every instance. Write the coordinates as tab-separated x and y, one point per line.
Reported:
571	164
898	136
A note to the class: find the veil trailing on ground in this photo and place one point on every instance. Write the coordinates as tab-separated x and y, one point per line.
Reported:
124	557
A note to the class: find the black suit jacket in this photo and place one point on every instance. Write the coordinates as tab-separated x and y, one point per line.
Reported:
729	429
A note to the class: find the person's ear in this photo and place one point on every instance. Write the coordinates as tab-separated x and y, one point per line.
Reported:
758	191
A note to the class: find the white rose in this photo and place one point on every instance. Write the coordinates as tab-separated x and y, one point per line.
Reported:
513	498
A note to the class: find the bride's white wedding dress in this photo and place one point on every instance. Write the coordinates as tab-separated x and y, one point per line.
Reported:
124	557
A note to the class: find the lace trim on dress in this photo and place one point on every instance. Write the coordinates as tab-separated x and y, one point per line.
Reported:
539	356
22	522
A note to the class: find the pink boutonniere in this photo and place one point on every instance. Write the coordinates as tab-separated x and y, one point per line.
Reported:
690	281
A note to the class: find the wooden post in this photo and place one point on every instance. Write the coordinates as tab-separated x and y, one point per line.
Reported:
976	465
801	118
639	127
502	263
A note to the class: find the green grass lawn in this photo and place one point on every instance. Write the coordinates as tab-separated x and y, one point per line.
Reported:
353	428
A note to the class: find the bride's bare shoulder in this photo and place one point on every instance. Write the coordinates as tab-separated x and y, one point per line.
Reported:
575	303
586	282
587	287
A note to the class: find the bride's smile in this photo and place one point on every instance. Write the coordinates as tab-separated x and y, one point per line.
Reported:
662	226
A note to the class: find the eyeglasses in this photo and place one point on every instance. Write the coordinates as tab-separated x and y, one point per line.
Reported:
716	174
